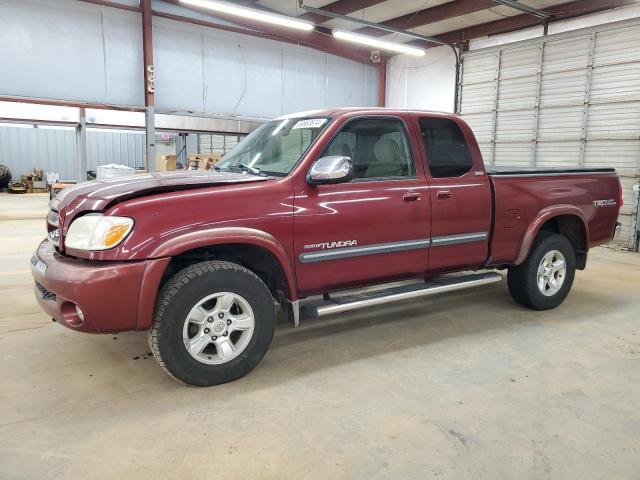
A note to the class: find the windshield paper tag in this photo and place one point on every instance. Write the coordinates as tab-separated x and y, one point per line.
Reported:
310	123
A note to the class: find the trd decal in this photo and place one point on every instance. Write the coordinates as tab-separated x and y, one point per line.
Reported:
605	203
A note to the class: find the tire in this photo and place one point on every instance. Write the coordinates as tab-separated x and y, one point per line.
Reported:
524	279
182	308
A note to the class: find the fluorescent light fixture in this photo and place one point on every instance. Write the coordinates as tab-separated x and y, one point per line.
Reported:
250	13
381	44
54	127
18	125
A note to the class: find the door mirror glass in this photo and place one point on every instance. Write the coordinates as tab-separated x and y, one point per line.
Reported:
331	169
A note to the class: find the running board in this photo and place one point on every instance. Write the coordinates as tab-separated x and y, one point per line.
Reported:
339	303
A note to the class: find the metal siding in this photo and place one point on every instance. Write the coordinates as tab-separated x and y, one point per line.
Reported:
52	150
565	101
114	146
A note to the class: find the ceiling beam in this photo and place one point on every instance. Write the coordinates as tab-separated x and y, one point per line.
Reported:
523	8
373	25
438	13
342	7
563	11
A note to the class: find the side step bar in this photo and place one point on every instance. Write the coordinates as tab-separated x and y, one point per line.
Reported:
339	303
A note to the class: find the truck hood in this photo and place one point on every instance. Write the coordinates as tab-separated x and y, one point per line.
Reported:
98	195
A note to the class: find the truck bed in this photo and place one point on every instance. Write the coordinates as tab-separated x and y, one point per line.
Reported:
524	197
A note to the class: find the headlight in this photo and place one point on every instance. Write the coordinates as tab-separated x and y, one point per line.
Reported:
97	232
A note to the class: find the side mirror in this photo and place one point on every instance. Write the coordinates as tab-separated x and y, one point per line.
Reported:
332	169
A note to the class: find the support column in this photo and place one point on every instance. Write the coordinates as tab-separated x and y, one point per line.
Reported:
149	87
81	147
382	82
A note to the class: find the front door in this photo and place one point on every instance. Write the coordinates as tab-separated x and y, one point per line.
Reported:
373	228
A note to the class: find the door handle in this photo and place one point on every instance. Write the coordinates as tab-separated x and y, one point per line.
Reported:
444	194
411	196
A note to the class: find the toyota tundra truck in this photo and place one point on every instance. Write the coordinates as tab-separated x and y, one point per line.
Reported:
296	219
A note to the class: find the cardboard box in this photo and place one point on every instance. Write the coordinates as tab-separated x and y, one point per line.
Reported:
205	162
164	163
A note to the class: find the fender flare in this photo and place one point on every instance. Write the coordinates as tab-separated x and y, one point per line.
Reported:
219	236
536	224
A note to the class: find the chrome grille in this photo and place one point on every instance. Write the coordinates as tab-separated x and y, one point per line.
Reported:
53	227
53	218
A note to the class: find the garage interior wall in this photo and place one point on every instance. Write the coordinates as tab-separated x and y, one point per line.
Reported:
565	100
93	53
422	82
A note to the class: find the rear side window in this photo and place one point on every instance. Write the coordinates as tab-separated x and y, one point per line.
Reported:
447	152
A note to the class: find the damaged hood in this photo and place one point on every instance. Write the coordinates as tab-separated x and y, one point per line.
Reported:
98	195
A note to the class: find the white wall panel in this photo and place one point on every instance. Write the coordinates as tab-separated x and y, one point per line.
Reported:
178	66
426	83
513	154
477	97
481	124
69	50
72	50
560	123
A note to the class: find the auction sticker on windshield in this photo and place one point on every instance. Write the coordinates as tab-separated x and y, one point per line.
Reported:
309	123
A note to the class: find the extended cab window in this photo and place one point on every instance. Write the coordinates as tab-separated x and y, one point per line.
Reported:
378	147
447	152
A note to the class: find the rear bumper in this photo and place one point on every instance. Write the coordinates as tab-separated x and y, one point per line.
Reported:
617	229
111	296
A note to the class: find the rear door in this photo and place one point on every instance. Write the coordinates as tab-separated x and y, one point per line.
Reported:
460	196
376	226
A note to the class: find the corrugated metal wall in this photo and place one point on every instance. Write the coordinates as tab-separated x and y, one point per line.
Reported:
109	146
563	100
54	149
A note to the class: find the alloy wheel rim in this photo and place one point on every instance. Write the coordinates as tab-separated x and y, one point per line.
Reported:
551	273
218	328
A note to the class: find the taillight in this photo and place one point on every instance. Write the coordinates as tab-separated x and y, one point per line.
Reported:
621	202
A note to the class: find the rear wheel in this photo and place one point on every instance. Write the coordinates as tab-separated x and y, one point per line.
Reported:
544	280
214	322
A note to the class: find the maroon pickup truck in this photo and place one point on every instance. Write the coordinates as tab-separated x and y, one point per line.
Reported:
304	209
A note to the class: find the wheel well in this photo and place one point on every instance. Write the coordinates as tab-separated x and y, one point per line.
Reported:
573	229
257	259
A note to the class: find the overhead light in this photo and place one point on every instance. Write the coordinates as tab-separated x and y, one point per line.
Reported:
250	13
18	125
374	42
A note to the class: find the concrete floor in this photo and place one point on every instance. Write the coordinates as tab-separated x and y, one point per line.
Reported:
467	385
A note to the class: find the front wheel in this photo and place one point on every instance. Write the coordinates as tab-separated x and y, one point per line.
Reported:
544	280
214	322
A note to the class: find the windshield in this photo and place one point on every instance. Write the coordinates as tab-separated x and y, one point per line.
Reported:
274	148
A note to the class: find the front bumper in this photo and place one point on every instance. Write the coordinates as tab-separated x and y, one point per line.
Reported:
111	296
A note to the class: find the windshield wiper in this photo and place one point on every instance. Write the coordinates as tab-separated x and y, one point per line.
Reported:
252	170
